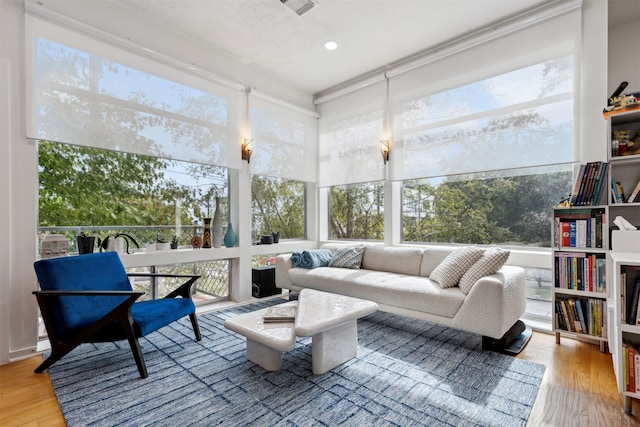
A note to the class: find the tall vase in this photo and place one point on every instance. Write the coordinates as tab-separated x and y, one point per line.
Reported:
206	236
230	237
216	228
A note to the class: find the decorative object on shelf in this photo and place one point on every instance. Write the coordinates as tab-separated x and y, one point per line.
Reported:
230	237
54	245
266	239
246	149
196	242
150	247
85	243
206	236
174	242
216	231
276	236
161	245
119	242
386	146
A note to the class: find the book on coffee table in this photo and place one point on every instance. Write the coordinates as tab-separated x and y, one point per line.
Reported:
280	314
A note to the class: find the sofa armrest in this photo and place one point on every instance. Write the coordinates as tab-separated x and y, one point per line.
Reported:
283	265
494	303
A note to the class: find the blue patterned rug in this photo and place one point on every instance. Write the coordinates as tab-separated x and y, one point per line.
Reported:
407	373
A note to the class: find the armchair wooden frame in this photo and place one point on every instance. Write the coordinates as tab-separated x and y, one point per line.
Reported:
61	346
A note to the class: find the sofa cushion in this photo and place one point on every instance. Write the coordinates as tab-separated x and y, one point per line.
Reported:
449	272
348	257
489	263
398	290
393	259
432	257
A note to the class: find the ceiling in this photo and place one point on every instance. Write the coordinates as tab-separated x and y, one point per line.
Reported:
273	39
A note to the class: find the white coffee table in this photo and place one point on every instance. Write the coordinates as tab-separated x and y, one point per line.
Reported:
329	319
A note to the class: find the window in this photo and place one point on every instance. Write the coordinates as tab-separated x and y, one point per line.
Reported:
277	206
357	211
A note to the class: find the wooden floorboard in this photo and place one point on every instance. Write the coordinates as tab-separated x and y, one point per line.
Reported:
578	389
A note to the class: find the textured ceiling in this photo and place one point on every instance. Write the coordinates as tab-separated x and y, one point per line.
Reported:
271	38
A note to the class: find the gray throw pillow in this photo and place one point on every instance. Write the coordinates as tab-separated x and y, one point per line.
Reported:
492	261
449	272
348	257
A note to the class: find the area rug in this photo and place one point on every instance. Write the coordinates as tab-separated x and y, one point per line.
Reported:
407	373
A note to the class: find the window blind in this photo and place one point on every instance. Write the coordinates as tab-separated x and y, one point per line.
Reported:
350	130
86	91
507	104
284	140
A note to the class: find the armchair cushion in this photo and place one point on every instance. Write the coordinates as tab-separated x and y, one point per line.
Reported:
149	316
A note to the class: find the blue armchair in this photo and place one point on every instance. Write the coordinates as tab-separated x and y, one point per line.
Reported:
88	298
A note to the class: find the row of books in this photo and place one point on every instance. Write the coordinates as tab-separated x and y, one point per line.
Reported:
618	195
630	301
580	228
589	183
631	367
580	271
582	315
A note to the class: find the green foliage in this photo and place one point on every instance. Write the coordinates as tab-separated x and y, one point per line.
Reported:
357	211
511	210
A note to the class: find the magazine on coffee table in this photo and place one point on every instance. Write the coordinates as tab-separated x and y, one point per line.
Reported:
280	314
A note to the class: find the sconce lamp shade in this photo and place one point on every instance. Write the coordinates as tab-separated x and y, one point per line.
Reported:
386	145
246	149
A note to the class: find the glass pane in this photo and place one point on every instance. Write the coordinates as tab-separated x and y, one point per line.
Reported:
357	211
507	208
101	192
277	206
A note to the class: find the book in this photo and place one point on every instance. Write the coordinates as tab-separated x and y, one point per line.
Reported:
615	196
633	310
634	197
280	314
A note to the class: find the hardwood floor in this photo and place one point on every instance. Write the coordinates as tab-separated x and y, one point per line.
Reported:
578	389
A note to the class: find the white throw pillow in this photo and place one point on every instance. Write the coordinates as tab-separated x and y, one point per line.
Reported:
349	257
492	261
453	267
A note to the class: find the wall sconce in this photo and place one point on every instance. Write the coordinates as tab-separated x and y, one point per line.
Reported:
386	145
246	149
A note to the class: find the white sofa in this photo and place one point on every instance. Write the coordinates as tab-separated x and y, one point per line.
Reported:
397	278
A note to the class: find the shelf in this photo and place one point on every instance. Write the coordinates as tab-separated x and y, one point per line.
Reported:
178	256
577	293
579	335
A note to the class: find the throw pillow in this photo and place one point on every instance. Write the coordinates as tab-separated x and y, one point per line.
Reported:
453	267
492	261
349	257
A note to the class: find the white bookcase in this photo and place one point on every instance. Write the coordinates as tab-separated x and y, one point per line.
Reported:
624	267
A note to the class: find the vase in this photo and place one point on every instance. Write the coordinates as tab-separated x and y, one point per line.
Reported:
230	237
216	227
85	244
206	236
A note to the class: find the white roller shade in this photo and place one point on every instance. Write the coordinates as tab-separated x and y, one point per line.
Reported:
85	91
503	105
284	139
350	128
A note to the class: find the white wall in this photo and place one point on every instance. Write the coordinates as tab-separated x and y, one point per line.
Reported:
18	168
624	57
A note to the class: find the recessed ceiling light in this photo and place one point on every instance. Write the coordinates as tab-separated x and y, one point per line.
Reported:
331	45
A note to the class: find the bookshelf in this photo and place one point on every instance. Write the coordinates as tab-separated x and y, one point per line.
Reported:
580	292
625	336
624	267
